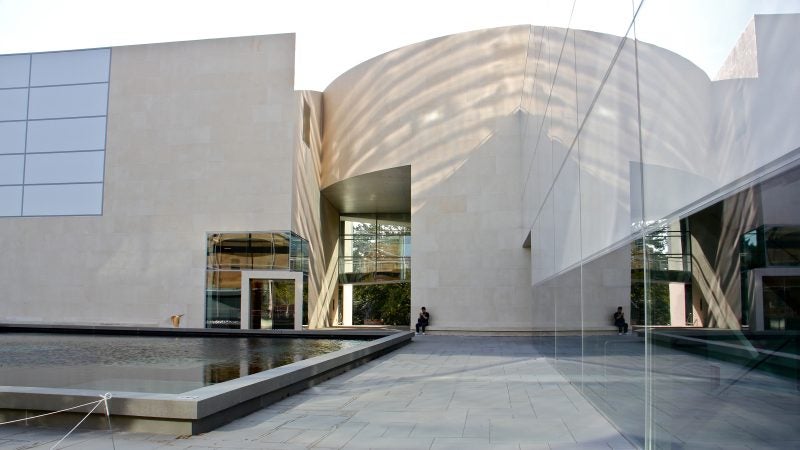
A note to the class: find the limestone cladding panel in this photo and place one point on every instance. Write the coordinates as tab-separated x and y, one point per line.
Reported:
199	139
449	107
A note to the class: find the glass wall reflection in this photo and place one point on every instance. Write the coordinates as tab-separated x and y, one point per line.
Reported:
662	175
228	254
375	248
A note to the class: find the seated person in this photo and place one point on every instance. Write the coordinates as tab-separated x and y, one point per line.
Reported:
423	320
619	321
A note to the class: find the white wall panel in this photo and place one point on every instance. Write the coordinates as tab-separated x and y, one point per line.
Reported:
64	167
12	137
63	199
86	66
13	104
67	135
68	101
11	169
10	200
14	70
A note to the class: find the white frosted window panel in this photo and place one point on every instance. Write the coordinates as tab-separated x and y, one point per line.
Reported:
63	200
84	66
74	167
10	200
67	135
11	168
68	101
13	104
14	70
12	137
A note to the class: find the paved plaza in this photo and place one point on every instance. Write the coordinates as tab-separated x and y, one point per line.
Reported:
470	392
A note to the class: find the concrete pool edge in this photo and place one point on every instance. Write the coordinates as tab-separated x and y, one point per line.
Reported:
195	411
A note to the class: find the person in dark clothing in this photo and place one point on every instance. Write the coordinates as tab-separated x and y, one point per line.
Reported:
423	320
619	321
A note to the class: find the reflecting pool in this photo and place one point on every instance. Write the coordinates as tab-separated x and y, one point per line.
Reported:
168	365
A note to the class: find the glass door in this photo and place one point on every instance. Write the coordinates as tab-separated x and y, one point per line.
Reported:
271	304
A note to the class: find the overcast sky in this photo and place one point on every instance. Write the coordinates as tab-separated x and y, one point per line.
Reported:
335	35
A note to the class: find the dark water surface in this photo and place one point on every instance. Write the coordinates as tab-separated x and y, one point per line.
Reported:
146	364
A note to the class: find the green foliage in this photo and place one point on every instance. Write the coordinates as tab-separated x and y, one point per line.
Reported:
658	305
389	303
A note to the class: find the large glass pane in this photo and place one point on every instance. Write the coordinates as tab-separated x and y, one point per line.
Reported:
719	149
68	101
84	66
13	104
10	201
11	169
63	200
375	248
70	167
262	249
281	248
229	251
223	299
271	304
12	137
613	368
67	135
14	70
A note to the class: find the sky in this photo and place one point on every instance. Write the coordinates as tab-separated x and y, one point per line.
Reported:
334	35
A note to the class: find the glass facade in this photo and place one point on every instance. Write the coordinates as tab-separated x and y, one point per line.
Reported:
375	248
53	109
272	301
668	184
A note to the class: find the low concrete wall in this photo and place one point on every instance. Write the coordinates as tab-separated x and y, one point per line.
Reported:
199	410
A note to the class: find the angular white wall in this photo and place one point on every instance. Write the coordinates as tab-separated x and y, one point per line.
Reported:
200	139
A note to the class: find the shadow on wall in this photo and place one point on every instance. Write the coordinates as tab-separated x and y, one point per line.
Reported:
429	104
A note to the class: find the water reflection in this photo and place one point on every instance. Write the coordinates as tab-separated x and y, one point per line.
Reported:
146	364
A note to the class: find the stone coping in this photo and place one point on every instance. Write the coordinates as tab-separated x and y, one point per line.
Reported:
323	333
198	410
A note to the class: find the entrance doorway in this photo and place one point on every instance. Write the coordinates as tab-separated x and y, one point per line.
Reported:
271	304
271	300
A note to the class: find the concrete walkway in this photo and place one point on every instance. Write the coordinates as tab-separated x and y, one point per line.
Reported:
439	392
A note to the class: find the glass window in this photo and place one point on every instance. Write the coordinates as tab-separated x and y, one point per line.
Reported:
66	135
64	167
68	101
223	299
13	104
63	200
84	66
229	251
11	169
10	201
14	70
375	248
12	137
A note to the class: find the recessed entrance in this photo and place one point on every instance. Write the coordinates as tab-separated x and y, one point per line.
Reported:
271	304
270	300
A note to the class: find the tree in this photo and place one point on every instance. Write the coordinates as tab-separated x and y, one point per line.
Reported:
656	244
389	303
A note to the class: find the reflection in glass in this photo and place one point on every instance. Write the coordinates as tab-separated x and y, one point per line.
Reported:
375	248
223	299
271	304
228	254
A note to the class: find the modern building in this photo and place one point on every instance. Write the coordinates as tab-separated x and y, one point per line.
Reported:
546	176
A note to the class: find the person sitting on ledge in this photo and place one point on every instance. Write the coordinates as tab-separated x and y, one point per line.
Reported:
619	321
423	320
